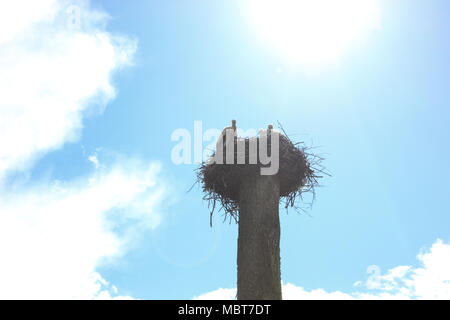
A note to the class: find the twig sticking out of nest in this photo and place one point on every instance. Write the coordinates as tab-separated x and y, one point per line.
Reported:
298	172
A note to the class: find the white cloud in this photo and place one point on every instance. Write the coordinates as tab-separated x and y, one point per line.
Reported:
429	281
433	279
53	71
52	240
56	62
290	292
94	160
219	294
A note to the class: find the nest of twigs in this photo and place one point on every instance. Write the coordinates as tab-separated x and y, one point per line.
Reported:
299	171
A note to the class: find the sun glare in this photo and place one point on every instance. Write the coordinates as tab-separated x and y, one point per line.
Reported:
313	32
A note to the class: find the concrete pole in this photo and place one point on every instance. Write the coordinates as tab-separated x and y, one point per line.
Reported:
258	257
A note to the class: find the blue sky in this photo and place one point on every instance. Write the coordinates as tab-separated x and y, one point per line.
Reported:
378	114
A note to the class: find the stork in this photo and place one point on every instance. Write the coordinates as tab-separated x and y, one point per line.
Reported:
233	127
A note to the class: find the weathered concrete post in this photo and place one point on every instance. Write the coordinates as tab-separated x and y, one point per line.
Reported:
258	256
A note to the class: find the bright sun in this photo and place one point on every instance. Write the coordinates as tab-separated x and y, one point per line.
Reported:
313	32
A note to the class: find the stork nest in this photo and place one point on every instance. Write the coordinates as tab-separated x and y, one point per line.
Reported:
299	171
